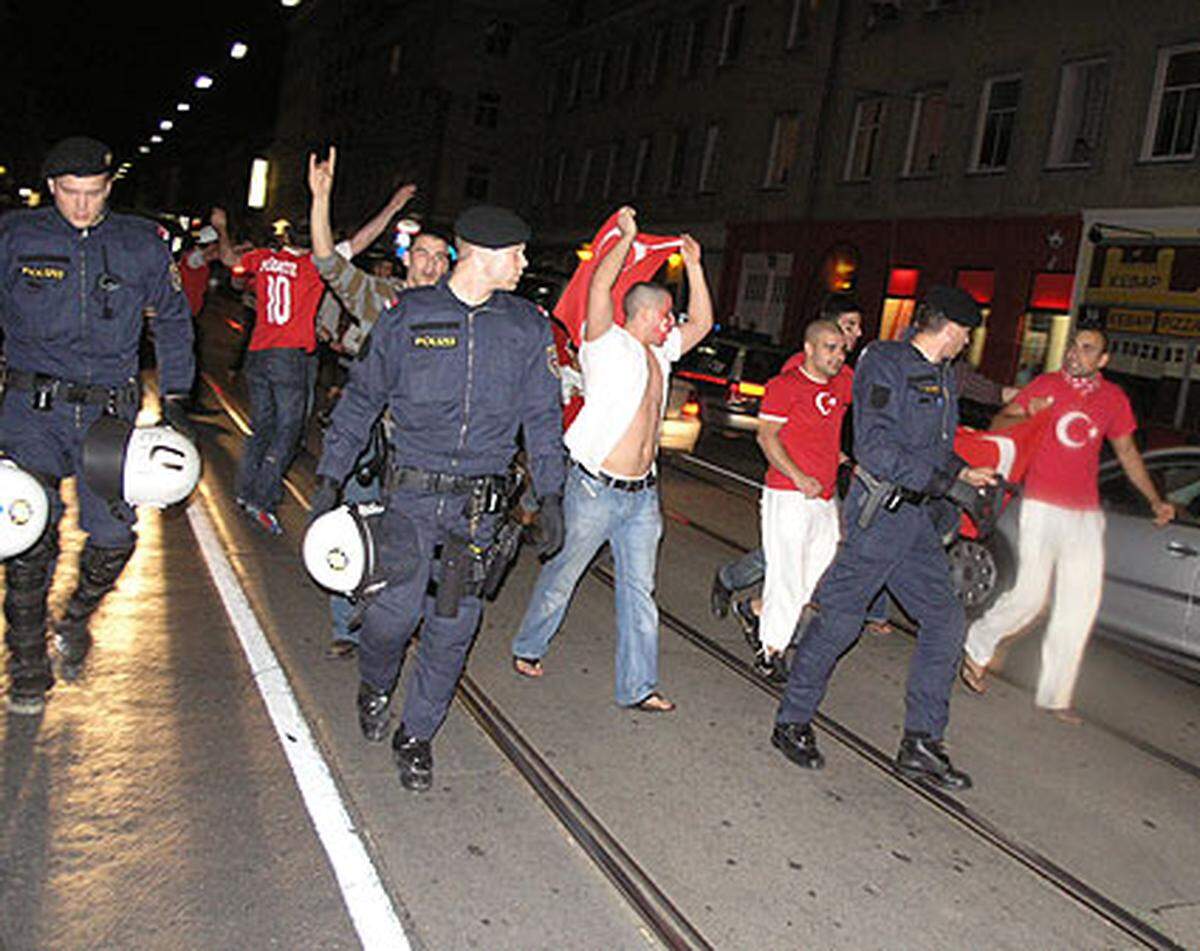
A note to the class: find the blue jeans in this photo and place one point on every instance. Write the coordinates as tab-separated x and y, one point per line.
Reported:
631	523
341	609
278	381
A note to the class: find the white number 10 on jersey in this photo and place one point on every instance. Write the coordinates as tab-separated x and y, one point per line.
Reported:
279	299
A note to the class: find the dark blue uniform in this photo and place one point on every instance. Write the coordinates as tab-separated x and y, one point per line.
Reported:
460	381
905	415
72	307
72	303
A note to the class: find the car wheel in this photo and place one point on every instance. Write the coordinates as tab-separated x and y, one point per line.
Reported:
980	572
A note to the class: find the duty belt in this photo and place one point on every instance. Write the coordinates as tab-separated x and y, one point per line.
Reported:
46	389
419	480
889	495
649	480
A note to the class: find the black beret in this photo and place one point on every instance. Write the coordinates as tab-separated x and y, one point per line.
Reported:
77	155
956	304
489	226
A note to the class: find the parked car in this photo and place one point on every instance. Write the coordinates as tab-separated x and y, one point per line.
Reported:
681	422
1151	594
730	372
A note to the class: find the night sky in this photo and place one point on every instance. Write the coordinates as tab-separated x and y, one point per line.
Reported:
106	70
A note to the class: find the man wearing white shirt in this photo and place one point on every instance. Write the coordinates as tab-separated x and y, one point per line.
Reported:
610	493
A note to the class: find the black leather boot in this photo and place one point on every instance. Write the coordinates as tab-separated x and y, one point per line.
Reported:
922	757
798	743
99	569
373	713
414	758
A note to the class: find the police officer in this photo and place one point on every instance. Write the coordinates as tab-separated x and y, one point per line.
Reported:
894	520
76	282
461	365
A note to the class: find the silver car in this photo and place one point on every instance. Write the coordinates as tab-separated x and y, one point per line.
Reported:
1151	591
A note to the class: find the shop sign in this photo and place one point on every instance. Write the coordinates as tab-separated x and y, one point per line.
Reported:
1150	275
1179	324
1129	321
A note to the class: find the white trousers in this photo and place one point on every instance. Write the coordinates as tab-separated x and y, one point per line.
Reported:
1067	544
800	537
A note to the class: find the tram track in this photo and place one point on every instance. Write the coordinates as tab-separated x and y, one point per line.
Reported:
637	888
1150	749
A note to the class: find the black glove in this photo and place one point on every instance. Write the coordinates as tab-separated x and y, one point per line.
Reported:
324	499
174	414
553	529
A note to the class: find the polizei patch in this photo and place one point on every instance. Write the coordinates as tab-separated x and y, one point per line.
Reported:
435	341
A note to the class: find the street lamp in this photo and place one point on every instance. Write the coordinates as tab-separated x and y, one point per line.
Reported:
144	149
290	3
166	125
238	50
257	197
155	139
203	81
183	107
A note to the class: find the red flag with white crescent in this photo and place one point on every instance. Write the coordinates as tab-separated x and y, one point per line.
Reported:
1008	451
648	253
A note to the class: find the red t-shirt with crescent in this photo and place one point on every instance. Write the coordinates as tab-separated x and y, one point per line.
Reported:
1064	469
288	290
812	415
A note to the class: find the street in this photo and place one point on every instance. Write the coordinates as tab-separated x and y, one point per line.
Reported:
153	804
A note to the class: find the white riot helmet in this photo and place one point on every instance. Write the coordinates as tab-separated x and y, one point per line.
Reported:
356	551
24	509
144	465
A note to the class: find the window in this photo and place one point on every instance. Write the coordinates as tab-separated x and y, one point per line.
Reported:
573	83
640	163
497	38
763	291
997	114
927	135
981	285
1177	482
864	140
610	168
659	51
710	162
394	61
798	24
585	173
693	47
479	180
731	35
487	110
600	74
781	156
900	302
1082	96
1174	105
628	66
677	160
560	174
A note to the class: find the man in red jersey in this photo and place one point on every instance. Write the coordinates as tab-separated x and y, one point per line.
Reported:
1062	528
800	425
280	367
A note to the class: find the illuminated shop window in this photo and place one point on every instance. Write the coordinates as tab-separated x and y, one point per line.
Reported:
900	302
981	285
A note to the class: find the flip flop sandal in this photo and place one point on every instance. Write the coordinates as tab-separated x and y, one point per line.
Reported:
654	703
530	667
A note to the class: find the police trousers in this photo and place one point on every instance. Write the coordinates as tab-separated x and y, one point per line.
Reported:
394	614
50	443
902	550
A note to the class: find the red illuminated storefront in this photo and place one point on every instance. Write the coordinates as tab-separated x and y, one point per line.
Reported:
1020	270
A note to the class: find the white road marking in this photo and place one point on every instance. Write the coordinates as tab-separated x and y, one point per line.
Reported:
366	899
721	470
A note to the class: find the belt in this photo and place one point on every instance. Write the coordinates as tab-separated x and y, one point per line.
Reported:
96	394
900	492
647	481
419	480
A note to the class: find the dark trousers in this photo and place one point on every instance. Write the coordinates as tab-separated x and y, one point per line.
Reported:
279	381
902	550
394	614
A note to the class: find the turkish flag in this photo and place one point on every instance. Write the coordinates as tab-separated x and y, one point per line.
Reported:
648	253
1008	451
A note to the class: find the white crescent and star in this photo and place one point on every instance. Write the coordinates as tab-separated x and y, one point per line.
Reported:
1062	429
825	402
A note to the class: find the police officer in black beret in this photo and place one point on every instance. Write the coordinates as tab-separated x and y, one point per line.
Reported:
462	366
75	280
894	519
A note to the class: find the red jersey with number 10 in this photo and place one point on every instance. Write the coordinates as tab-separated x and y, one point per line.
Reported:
288	290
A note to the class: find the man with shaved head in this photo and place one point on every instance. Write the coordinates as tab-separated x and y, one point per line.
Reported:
610	495
800	425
